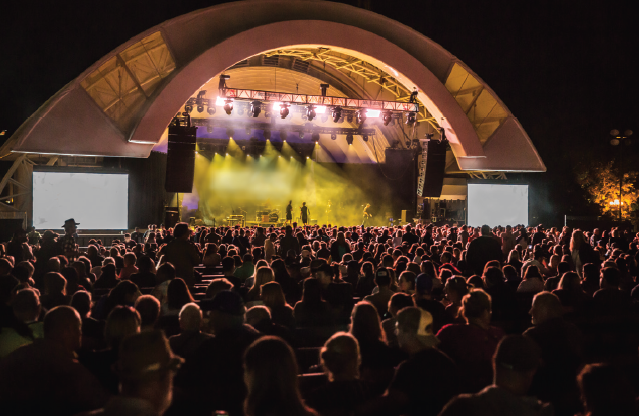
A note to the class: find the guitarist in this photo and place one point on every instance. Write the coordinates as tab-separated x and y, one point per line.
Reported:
366	215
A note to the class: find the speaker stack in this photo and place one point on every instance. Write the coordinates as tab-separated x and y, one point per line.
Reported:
431	168
180	159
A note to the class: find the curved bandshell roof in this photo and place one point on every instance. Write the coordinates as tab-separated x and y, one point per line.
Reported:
122	104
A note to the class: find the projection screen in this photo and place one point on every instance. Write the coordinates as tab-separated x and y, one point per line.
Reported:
98	201
497	204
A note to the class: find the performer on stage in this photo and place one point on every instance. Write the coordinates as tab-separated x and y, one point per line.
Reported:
328	212
289	212
304	211
366	215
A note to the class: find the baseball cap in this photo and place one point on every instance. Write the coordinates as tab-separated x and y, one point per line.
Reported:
517	353
145	353
424	330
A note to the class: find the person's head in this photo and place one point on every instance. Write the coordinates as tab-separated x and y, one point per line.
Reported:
382	277
610	278
456	288
181	231
177	294
545	306
515	363
493	276
121	322
423	284
257	315
340	357
406	282
263	276
270	375
476	307
216	286
415	330
312	291
190	317
606	391
485	230
149	309
55	284
570	282
273	295
146	367
81	302
63	326
532	272
228	266
365	323
129	260
26	305
226	311
398	302
23	271
513	256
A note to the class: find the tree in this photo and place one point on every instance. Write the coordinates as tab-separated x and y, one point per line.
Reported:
601	183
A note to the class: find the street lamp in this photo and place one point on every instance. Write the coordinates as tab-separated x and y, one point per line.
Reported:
617	139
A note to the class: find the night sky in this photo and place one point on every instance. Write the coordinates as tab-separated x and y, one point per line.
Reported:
566	69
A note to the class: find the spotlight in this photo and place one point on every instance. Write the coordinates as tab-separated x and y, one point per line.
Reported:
248	131
256	107
365	137
228	106
283	135
361	116
307	157
240	109
301	134
267	134
337	114
230	133
333	136
209	129
349	138
211	110
349	118
200	108
200	101
410	119
315	137
284	110
387	117
310	113
188	108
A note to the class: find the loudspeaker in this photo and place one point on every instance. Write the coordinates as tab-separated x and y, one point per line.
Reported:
431	170
171	217
180	159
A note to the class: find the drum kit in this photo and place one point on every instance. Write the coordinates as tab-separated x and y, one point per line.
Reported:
265	214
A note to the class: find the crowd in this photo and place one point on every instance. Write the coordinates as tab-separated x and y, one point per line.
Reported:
308	320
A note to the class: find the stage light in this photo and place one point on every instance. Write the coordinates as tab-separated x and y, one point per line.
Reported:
283	135
256	108
310	113
372	113
387	117
410	119
209	129
333	136
315	137
188	108
301	134
248	131
320	109
221	100
324	118
349	118
230	133
200	108
228	106
361	116
365	137
349	138
267	134
336	114
284	110
200	101
211	110
307	157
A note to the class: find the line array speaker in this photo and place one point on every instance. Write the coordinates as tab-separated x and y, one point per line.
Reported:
180	159
431	169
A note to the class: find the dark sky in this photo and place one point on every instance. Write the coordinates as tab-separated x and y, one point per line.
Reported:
566	69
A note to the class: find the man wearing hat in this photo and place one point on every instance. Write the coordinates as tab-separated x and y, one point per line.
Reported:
69	247
514	365
146	368
428	379
482	250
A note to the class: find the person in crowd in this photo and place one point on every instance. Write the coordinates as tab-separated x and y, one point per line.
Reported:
25	328
289	242
340	247
246	270
129	268
606	391
55	291
211	256
259	317
423	298
108	278
312	310
191	336
514	365
366	281
455	289
270	374
177	295
382	297
398	302
182	253
145	275
45	377
610	300
482	250
344	391
561	345
472	344
149	309
274	299
533	281
18	247
263	276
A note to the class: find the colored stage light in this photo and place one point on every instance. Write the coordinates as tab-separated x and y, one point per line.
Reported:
315	137
256	108
333	136
372	113
211	110
387	117
349	139
365	137
361	116
228	106
410	119
284	110
336	114
310	113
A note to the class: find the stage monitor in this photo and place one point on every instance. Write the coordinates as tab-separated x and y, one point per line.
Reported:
493	204
98	201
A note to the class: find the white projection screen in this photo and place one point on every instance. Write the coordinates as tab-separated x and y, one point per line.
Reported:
497	204
98	201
